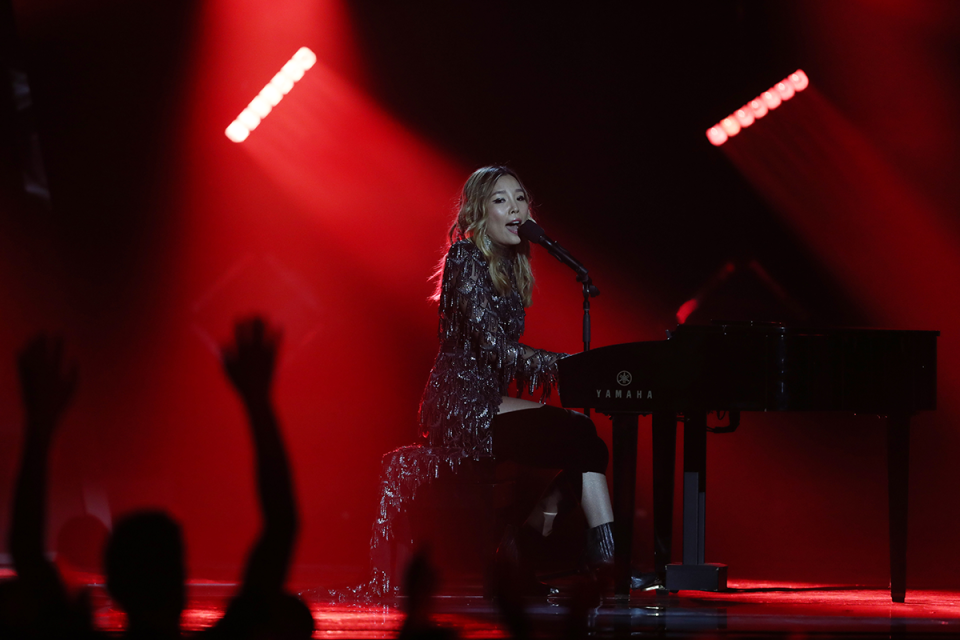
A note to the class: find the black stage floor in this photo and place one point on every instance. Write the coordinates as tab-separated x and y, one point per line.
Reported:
748	609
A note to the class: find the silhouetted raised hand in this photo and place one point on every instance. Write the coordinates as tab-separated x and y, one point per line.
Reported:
153	596
250	359
47	387
46	384
249	362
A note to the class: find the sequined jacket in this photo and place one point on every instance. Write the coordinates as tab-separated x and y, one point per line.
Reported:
480	354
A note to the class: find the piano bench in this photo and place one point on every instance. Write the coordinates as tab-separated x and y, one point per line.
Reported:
461	516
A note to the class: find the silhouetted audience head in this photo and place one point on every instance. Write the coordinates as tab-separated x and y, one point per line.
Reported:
286	617
15	606
420	584
145	568
144	557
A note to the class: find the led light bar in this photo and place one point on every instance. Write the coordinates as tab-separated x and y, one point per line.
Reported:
279	86
758	107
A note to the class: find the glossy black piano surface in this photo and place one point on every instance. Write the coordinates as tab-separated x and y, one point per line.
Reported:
758	367
744	367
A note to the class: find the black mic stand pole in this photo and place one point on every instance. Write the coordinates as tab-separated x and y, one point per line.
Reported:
532	232
589	290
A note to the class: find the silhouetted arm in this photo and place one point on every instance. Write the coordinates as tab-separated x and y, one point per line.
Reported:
249	364
47	389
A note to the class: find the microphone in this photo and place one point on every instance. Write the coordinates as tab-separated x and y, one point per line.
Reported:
532	232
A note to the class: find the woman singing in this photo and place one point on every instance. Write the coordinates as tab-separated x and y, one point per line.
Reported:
485	286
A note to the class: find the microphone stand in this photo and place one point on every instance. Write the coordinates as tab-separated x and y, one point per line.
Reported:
532	232
589	291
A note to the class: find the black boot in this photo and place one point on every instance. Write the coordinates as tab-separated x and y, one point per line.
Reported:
599	559
598	555
514	561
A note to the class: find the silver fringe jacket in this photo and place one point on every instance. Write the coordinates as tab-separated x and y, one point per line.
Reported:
480	354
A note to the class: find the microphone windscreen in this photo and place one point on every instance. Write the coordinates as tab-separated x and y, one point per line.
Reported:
531	231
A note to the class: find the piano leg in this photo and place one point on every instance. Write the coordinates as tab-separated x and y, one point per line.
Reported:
693	573
898	472
624	498
664	457
694	488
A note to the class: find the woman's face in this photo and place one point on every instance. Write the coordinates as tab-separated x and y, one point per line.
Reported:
506	209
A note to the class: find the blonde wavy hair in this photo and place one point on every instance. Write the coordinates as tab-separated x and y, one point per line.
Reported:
471	224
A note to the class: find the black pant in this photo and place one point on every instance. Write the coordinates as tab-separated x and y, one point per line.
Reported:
550	438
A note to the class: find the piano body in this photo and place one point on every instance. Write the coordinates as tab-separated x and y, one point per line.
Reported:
736	367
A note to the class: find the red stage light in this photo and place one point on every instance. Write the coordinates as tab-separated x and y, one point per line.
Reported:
785	89
260	107
237	132
307	58
271	95
717	135
292	70
771	98
758	107
730	126
280	85
799	80
248	119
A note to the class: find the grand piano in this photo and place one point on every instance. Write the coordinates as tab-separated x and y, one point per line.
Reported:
735	367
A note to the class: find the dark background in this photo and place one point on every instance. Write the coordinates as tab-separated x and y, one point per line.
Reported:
331	217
